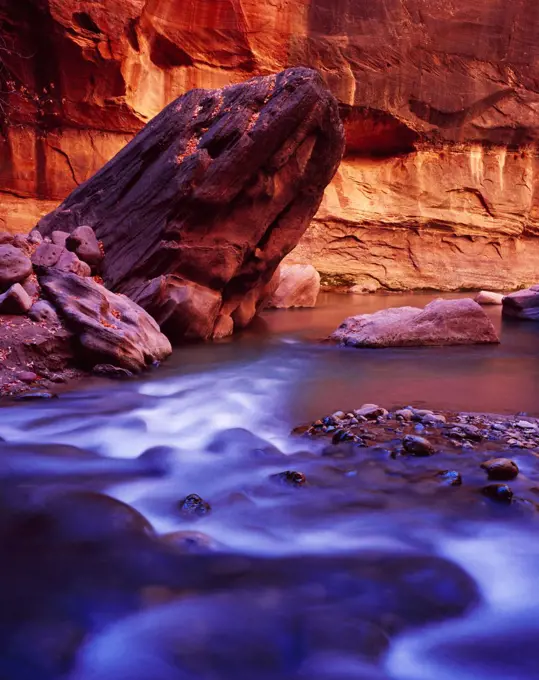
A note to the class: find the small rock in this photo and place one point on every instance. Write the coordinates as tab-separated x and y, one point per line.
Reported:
525	425
84	243
69	262
417	446
290	478
35	237
15	266
498	492
338	415
499	427
47	255
27	376
35	396
464	431
110	371
450	478
433	419
59	238
419	428
194	506
43	311
15	300
487	297
20	241
371	412
404	414
343	436
500	469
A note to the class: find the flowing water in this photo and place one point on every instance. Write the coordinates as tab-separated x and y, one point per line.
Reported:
466	608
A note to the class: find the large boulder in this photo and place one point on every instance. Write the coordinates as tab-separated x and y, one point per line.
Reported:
297	286
110	328
442	322
206	201
524	304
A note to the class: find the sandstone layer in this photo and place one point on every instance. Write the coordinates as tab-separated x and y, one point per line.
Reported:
197	212
440	104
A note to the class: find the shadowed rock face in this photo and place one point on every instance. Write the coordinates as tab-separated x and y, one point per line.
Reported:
439	103
196	213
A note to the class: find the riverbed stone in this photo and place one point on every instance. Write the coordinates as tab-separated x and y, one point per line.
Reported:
488	297
43	311
501	493
417	446
290	478
371	412
194	506
500	469
450	478
441	322
15	266
15	300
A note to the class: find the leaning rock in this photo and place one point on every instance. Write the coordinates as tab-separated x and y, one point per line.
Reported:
524	304
70	263
487	297
47	255
298	285
217	189
501	469
442	322
15	266
83	242
111	328
15	300
43	311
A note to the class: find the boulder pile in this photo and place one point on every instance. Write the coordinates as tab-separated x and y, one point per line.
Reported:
56	317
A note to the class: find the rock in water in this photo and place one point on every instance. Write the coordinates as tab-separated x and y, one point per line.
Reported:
488	297
298	285
442	322
196	212
110	328
524	304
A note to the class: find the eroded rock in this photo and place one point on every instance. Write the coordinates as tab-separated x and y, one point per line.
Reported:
442	322
524	304
218	188
15	300
297	286
15	266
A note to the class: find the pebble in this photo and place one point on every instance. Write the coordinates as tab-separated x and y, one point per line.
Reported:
338	415
434	419
498	492
194	506
525	425
291	478
404	414
500	469
371	412
342	436
499	427
417	446
14	266
450	478
27	376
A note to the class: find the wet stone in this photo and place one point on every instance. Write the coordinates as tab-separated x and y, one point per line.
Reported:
36	396
194	506
501	493
343	436
110	371
463	431
501	469
404	414
290	478
450	478
417	446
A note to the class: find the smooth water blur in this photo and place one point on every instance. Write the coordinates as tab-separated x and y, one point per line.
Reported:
276	375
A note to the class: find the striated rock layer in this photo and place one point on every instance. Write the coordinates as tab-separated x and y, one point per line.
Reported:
197	212
440	104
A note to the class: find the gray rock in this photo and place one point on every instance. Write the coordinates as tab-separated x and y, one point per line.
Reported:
464	431
15	266
450	478
501	493
525	425
15	300
404	414
70	263
500	469
371	412
84	243
43	311
417	446
31	286
433	419
47	255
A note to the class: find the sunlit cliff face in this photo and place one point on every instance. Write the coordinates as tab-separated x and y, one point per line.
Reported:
439	99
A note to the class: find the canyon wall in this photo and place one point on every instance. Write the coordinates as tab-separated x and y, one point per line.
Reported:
440	100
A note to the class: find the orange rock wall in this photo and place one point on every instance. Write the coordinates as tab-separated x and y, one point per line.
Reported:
440	99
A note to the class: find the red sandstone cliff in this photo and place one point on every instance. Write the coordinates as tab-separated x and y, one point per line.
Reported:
438	187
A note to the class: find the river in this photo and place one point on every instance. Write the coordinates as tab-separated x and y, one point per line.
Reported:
225	412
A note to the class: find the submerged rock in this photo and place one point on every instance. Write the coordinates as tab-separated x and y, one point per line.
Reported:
290	478
218	188
298	285
498	492
501	469
524	304
194	506
442	322
417	446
